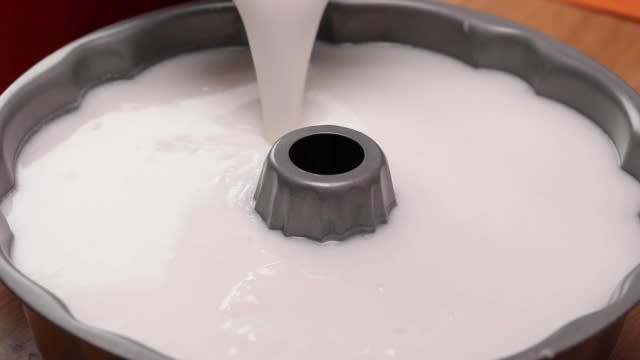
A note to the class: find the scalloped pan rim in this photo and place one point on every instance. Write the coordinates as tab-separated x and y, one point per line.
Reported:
58	84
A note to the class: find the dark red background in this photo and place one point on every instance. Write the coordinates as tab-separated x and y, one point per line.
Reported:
31	29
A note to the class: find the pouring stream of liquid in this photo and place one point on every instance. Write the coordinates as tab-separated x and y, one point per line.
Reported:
281	36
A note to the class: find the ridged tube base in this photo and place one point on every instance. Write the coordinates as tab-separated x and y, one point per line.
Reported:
325	183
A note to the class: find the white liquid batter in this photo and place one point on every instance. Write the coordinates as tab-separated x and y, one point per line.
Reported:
281	35
513	216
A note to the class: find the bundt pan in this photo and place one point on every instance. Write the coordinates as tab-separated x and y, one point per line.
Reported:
58	83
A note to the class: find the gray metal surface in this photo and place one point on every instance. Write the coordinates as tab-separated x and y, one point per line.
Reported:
58	83
349	192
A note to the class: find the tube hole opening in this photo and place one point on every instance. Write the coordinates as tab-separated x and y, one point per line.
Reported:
326	154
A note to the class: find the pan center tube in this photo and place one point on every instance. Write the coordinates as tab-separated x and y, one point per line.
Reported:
325	183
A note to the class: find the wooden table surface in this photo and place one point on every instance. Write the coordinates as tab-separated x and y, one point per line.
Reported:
613	41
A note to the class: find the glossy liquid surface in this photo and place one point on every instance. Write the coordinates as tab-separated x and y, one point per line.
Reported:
513	216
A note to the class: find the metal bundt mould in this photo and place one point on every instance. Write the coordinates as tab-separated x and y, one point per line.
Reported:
555	71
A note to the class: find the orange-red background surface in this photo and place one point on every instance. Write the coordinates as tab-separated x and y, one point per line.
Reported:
629	8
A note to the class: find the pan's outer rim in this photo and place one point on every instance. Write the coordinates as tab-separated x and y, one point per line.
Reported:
479	27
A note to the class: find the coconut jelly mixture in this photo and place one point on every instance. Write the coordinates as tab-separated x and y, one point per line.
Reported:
513	217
